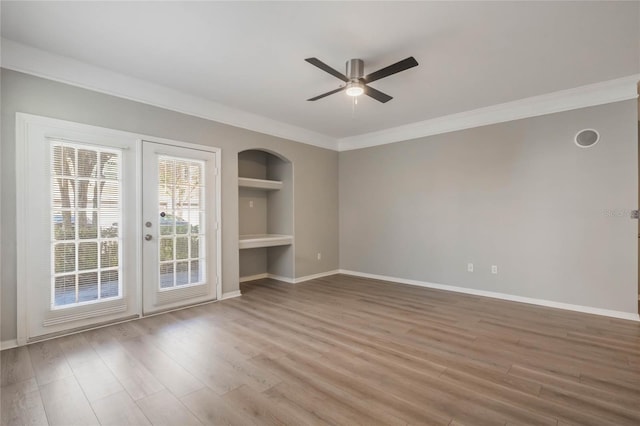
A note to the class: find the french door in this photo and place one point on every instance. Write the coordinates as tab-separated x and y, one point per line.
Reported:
110	227
179	251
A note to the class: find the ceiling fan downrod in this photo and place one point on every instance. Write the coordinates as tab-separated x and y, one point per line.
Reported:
355	69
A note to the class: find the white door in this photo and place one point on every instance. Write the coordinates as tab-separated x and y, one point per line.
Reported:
180	226
77	226
105	233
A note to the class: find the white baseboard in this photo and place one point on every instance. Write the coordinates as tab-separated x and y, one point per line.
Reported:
314	276
8	344
281	278
287	279
231	294
253	277
503	296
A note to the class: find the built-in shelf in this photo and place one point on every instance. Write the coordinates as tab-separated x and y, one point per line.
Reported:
265	214
267	185
264	240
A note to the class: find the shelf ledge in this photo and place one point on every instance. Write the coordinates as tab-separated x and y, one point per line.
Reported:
268	185
264	240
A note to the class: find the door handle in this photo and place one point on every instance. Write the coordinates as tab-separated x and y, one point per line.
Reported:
148	237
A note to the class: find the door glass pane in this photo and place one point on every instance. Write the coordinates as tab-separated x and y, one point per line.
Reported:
166	275
87	287
182	248
65	258
166	249
109	284
65	289
85	219
181	210
87	256
195	270
182	273
109	254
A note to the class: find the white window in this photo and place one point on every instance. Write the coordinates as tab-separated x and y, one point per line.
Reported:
86	211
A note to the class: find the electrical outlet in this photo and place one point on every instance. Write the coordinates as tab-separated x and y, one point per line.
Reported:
494	269
319	256
470	267
250	204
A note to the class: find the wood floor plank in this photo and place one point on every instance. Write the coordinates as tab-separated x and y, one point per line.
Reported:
262	411
21	404
128	369
436	394
590	406
15	366
48	361
338	350
77	349
168	372
164	409
211	409
322	385
119	409
576	386
93	375
210	369
361	388
96	379
66	404
323	406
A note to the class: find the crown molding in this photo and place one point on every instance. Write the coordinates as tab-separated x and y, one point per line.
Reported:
29	60
26	59
605	92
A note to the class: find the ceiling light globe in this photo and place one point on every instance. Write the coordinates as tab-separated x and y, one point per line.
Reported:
355	89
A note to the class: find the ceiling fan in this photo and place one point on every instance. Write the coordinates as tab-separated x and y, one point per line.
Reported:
356	83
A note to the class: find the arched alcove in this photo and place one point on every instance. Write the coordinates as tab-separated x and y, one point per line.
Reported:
265	209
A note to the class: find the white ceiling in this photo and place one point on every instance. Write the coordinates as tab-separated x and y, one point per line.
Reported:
250	55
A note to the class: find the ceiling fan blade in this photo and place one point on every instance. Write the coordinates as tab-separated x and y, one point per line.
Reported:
326	68
404	64
339	89
376	94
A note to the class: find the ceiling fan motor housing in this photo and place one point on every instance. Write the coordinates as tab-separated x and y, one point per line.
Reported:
355	69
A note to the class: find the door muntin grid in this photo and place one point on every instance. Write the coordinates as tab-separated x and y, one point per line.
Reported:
181	223
85	219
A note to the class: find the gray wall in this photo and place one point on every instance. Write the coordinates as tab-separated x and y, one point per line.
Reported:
520	195
316	172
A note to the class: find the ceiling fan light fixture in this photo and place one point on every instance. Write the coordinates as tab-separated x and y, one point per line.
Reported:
356	83
355	88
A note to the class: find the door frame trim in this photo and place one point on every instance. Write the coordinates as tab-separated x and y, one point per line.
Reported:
24	122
